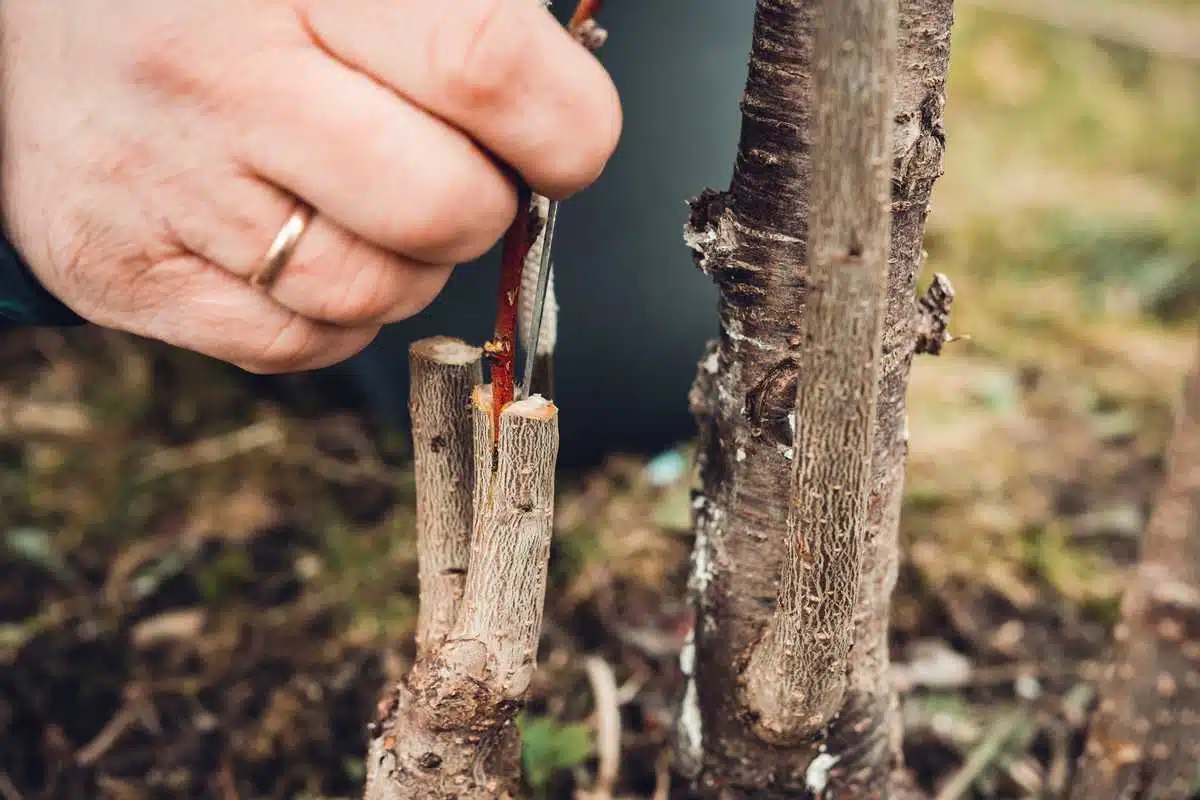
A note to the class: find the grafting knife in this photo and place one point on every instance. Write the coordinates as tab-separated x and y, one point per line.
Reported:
539	299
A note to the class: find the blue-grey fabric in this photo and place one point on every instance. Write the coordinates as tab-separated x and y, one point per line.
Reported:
23	299
635	311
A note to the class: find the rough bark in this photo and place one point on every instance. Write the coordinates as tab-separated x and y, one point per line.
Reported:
1144	740
752	241
447	731
444	372
796	677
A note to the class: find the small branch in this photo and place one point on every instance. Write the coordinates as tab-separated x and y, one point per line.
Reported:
447	732
206	452
22	418
501	350
584	27
983	756
444	372
796	677
608	726
8	790
493	645
933	316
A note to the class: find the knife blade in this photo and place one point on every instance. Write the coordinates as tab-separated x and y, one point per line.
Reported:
539	299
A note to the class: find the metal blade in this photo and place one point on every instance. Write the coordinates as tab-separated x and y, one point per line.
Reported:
539	299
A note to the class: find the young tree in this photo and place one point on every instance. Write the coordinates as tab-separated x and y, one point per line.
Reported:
801	401
1145	733
485	463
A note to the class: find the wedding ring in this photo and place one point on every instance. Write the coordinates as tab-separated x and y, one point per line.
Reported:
284	246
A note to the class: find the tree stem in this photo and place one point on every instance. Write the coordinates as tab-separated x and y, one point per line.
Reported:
796	678
444	372
449	732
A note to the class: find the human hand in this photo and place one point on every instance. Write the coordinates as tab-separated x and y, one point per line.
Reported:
152	150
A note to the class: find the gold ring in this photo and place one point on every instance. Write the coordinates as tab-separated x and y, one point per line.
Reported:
284	245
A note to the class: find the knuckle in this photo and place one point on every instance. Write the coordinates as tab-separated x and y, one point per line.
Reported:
476	53
288	349
364	290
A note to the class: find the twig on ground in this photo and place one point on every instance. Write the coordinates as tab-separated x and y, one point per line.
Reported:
662	776
257	436
103	741
227	784
23	418
7	789
608	726
984	754
271	435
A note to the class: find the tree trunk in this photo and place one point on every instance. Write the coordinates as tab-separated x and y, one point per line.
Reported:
446	732
444	372
1144	740
753	241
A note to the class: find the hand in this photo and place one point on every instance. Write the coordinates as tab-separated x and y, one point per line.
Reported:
152	150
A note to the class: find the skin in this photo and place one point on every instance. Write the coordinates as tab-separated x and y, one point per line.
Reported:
152	149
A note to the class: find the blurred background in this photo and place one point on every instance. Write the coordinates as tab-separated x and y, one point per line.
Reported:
205	578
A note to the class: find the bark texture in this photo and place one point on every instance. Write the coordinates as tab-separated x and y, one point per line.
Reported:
753	241
447	731
444	372
1144	740
796	677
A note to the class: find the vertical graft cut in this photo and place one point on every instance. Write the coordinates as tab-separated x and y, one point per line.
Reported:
448	733
444	372
494	642
796	678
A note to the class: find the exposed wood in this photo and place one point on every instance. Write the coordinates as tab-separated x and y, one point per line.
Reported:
1144	738
795	680
752	241
447	732
444	372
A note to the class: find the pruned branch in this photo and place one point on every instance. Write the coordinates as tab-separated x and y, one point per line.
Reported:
492	651
447	732
444	372
796	677
1144	738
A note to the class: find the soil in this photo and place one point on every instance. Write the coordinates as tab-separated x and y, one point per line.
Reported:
204	590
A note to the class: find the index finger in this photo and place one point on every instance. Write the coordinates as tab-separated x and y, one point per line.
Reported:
503	71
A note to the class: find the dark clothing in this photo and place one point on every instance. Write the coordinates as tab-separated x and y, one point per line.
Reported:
23	299
635	313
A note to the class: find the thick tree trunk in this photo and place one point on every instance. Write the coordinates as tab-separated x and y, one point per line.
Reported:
1144	740
795	679
753	241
